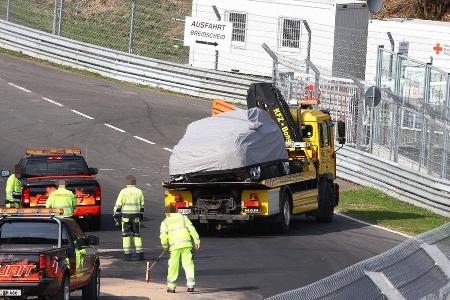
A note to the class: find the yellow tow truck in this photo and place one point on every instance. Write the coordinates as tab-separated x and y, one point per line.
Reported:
308	187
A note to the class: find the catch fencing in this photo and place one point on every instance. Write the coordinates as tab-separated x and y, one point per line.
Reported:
409	125
419	268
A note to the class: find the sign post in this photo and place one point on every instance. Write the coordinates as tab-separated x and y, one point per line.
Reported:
207	34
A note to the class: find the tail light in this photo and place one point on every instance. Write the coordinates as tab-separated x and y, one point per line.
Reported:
42	262
253	202
98	193
178	198
26	197
180	204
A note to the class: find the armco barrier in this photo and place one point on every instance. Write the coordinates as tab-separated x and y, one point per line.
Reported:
418	268
123	66
359	167
403	183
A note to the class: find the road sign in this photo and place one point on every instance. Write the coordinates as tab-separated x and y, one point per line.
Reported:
311	92
209	34
373	96
403	48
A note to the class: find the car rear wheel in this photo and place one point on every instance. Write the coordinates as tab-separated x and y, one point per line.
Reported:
92	290
64	291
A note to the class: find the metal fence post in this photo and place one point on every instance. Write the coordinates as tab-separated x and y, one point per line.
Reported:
308	54
55	17
61	16
8	10
444	173
379	72
379	69
132	20
219	18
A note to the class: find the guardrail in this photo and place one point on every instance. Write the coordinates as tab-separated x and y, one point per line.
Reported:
125	67
360	167
405	184
418	268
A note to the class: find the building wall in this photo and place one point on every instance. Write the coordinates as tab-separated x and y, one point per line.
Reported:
422	36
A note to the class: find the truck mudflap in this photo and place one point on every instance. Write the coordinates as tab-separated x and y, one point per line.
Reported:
86	210
219	218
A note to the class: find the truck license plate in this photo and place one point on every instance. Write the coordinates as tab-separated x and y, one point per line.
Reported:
10	293
253	210
184	211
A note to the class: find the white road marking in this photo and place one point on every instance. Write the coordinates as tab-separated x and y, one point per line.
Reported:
168	149
144	140
106	169
19	87
114	127
373	225
52	101
81	114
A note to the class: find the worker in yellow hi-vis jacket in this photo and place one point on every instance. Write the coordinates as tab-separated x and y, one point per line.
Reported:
62	198
13	189
130	208
177	234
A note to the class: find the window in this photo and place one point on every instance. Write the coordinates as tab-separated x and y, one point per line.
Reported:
307	131
291	33
34	233
45	166
239	21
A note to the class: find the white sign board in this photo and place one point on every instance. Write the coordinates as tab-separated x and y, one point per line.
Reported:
403	48
207	34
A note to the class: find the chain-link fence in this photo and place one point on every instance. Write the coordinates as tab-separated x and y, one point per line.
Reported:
418	268
152	28
409	124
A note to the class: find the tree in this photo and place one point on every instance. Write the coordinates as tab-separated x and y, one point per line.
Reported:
433	9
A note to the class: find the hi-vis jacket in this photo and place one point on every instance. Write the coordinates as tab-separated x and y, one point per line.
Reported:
130	203
12	186
178	232
62	198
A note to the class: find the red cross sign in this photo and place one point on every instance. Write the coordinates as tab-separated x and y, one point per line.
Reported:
438	48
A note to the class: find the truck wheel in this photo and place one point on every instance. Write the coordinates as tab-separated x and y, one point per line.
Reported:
96	223
92	290
327	200
64	291
284	217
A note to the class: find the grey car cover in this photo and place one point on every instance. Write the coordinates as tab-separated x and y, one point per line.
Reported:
231	140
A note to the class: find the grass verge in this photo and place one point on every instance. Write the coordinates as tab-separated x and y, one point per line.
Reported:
377	208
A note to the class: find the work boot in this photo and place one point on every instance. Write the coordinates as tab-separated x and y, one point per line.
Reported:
127	256
140	256
171	290
191	290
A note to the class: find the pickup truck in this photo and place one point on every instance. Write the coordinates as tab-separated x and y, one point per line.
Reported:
42	168
44	256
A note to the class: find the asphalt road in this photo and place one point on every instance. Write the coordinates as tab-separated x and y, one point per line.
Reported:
261	263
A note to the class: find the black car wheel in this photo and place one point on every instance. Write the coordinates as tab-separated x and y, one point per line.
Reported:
92	290
64	291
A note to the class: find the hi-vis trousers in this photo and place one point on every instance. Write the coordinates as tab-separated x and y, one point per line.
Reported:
131	235
185	254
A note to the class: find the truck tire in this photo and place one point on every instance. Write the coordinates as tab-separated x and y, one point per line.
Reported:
92	290
327	200
283	221
64	291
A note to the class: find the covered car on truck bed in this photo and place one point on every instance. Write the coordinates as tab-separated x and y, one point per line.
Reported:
232	144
